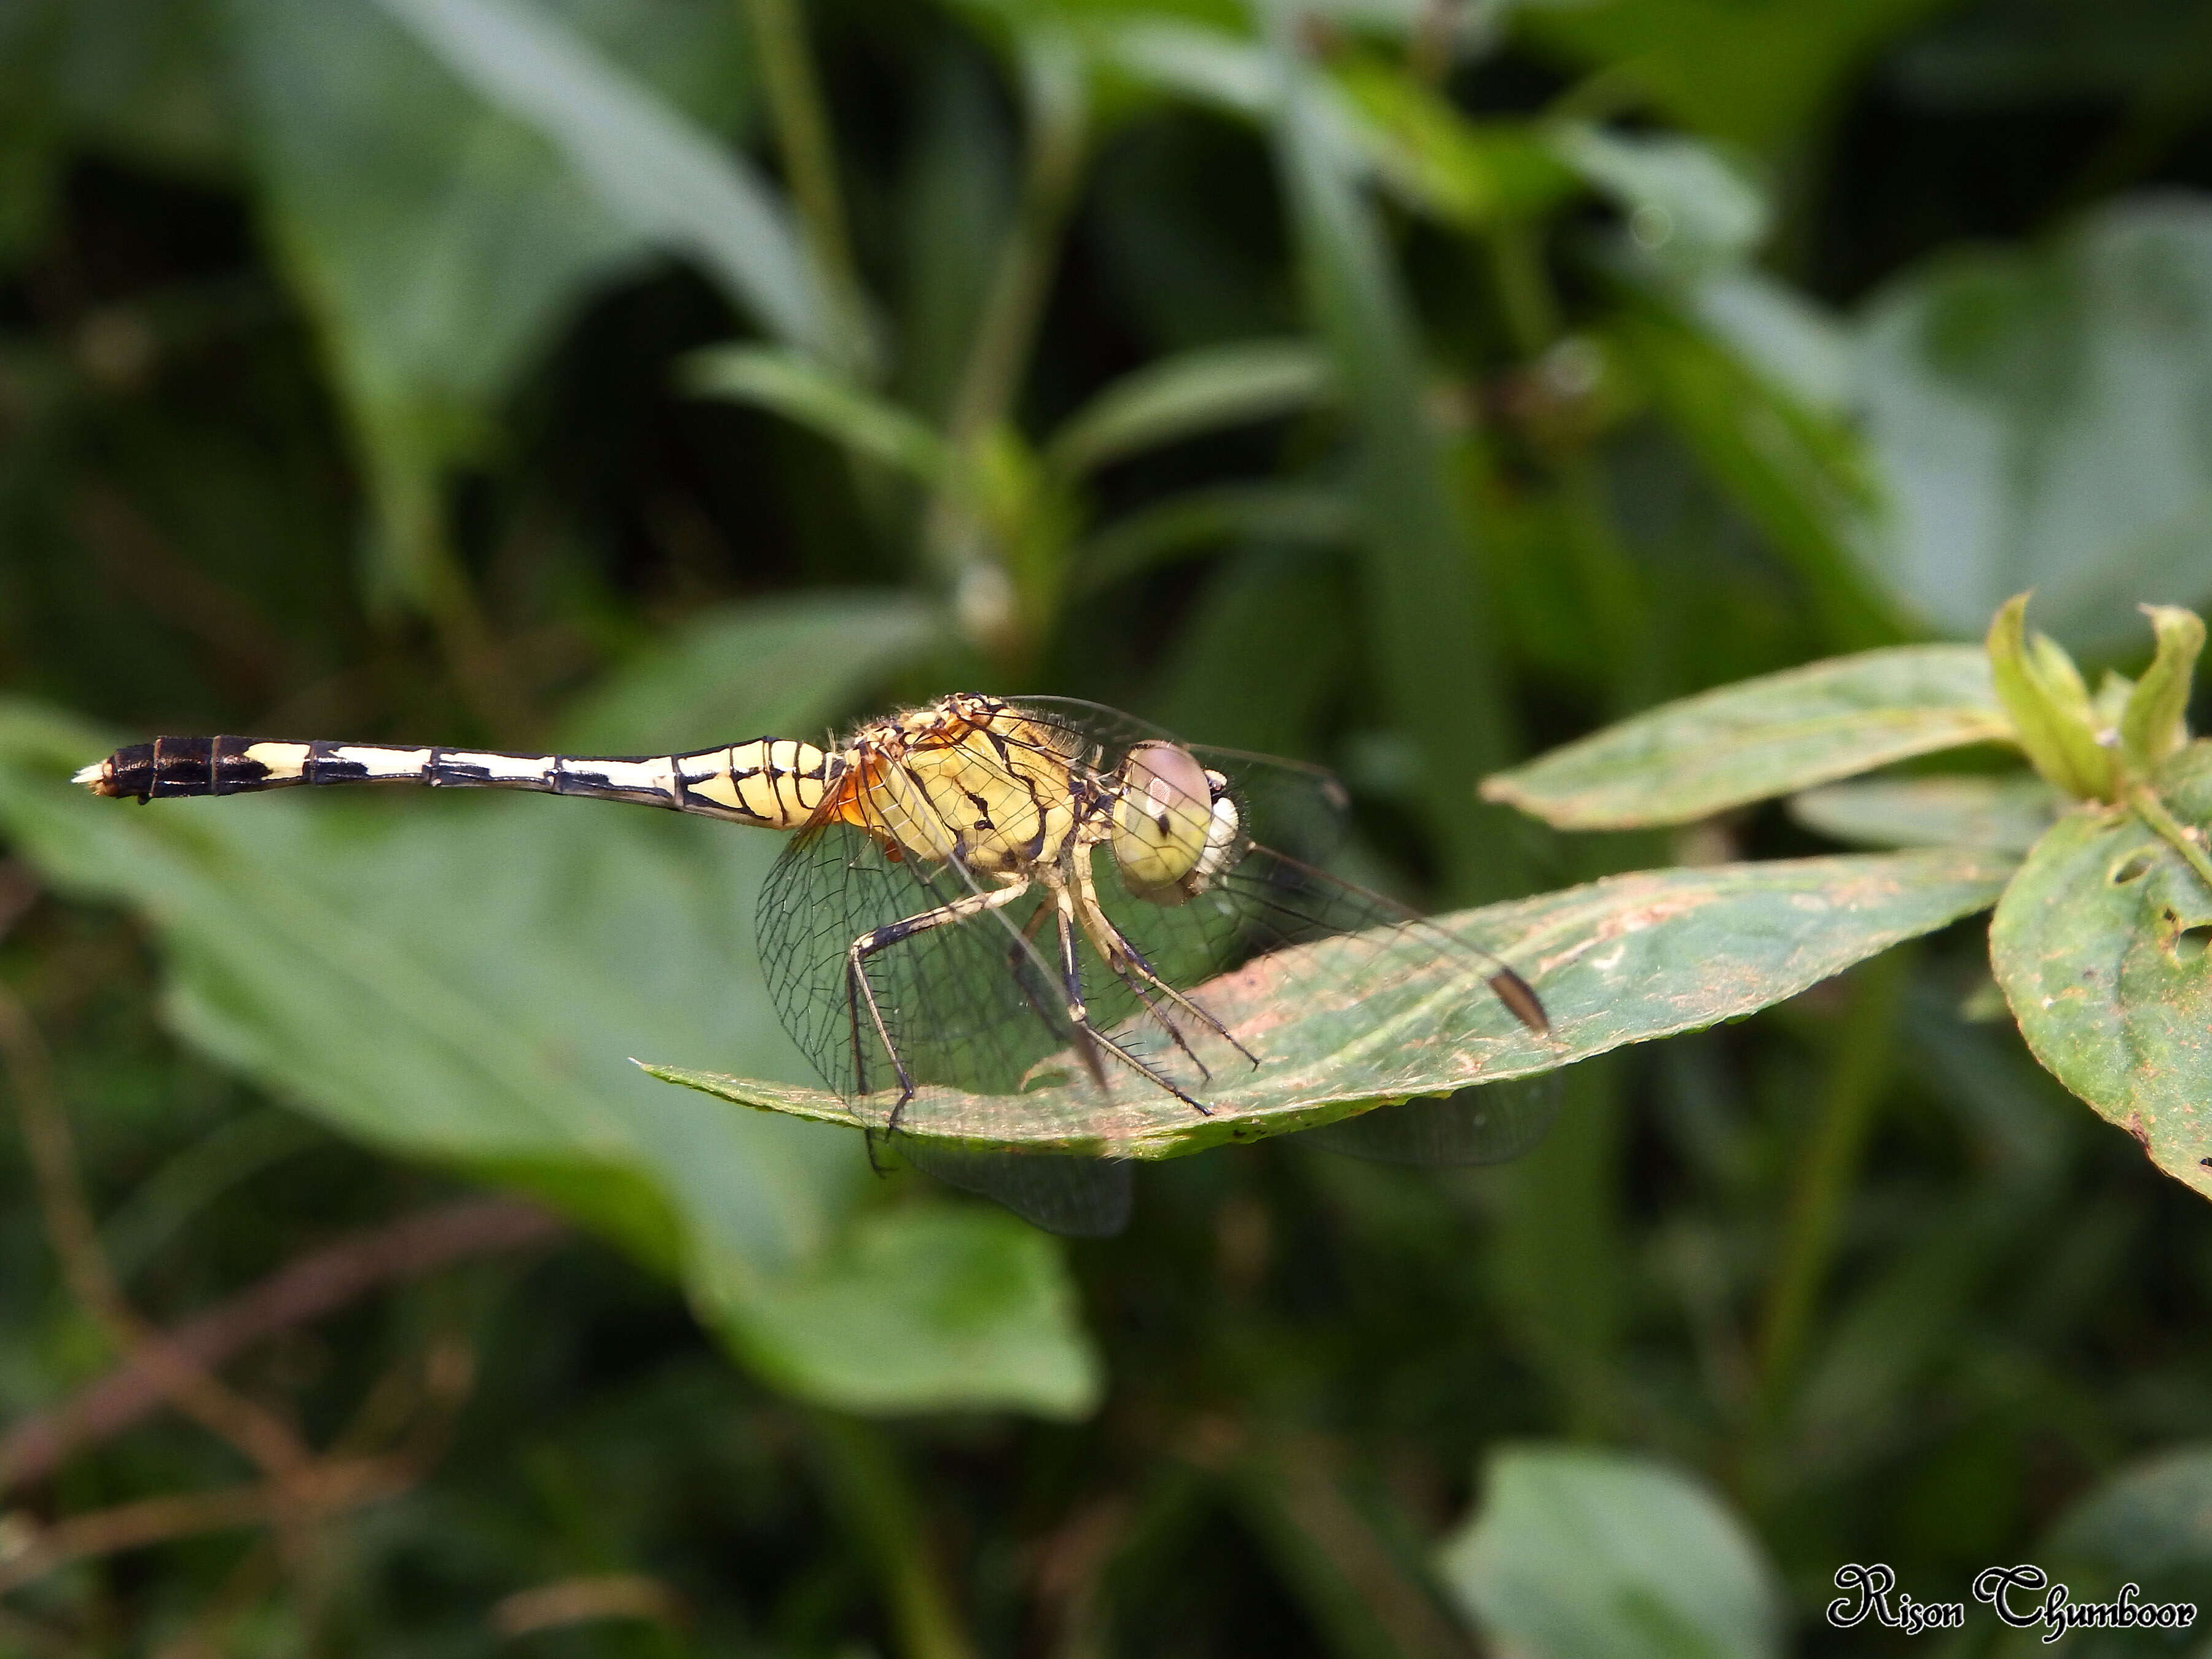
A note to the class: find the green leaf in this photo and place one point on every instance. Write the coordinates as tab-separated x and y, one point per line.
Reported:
1758	75
1785	336
1619	961
2098	945
1428	625
123	78
2004	814
2149	1523
1471	174
1690	207
459	981
803	390
437	243
928	1307
1795	470
1190	523
1192	393
1209	65
1769	736
648	167
2032	418
1581	1553
1261	654
753	669
2154	722
2052	718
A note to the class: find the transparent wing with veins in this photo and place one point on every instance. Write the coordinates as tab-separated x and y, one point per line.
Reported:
1083	966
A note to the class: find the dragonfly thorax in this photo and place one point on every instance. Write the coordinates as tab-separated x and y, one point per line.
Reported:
967	778
1008	795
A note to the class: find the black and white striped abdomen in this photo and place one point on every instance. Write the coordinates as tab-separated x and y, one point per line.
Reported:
771	782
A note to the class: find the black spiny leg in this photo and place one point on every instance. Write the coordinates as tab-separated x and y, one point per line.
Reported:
1136	987
1127	964
857	990
1089	1034
1130	967
1071	985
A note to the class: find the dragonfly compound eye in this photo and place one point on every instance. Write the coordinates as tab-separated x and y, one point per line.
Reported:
1173	825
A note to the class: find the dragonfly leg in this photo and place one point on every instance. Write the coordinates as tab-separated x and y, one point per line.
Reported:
1070	983
1089	1037
1145	997
859	991
1128	963
1160	1019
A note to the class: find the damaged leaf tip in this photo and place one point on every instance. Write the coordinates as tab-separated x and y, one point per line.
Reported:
2153	725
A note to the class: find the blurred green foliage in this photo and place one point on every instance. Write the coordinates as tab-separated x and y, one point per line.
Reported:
1409	387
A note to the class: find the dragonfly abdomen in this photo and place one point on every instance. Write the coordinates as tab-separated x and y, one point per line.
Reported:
772	783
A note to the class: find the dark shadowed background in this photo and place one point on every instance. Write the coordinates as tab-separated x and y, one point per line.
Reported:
1404	384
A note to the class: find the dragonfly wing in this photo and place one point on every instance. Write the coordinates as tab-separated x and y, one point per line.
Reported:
1079	1197
968	1006
1382	955
965	1005
1294	805
953	987
1492	1123
1294	821
1297	808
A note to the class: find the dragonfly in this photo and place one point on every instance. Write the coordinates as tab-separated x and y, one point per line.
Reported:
985	896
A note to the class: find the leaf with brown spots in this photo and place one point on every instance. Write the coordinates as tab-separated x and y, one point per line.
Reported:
2099	946
1619	961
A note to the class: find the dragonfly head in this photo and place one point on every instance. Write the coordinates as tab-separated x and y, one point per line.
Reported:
1175	825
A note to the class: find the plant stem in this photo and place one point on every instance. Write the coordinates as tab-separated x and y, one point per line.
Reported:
870	1492
1525	298
1528	305
1557	1258
802	139
405	485
1362	1596
1827	1173
1008	328
328	1488
1429	613
307	1288
1001	606
256	1432
2151	811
